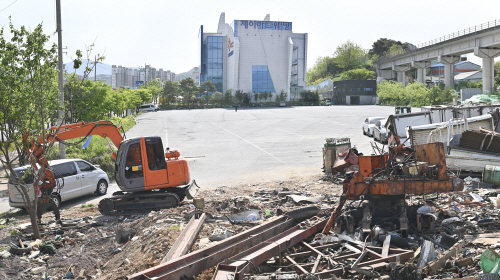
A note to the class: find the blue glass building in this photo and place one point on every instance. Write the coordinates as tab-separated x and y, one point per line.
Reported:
254	56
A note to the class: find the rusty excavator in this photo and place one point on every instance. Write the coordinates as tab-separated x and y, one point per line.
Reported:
384	182
149	177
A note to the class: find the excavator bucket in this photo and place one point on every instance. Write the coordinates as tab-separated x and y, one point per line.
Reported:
192	190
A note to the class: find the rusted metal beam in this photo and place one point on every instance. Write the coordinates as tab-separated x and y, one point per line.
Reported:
400	187
196	262
375	262
186	238
316	263
258	254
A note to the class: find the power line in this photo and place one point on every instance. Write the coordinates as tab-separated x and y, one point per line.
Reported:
8	6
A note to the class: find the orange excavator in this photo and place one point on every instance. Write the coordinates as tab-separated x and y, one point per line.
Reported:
149	178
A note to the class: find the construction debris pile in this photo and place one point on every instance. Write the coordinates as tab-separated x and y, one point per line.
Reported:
272	232
87	245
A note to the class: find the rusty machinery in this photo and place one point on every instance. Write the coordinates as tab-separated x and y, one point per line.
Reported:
383	181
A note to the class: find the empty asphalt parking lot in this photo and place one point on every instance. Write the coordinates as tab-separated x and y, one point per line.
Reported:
255	145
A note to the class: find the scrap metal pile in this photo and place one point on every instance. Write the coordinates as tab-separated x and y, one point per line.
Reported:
408	218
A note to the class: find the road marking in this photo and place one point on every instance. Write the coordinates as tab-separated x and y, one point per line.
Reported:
166	135
249	143
278	129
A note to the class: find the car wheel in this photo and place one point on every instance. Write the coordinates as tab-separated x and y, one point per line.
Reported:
56	199
102	187
364	133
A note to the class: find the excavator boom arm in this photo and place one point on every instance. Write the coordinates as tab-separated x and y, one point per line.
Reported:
65	132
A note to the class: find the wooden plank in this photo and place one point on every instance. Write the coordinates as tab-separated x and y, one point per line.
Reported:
439	262
387	244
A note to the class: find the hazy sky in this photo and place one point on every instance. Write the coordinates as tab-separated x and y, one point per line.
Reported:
165	33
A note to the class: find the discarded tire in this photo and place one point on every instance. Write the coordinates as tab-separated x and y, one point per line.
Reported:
20	251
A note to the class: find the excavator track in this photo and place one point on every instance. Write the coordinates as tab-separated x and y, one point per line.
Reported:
137	203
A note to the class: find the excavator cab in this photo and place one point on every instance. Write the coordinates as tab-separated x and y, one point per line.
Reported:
148	177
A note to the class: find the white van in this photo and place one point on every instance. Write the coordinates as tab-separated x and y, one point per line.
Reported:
148	108
79	176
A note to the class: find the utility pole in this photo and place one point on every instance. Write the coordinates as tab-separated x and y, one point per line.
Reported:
62	147
95	68
145	75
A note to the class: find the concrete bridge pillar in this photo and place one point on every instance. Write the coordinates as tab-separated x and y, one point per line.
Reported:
400	71
488	56
421	68
449	69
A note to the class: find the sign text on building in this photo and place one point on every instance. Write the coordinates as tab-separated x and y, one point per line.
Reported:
268	25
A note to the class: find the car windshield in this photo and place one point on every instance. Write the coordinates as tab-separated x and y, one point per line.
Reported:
374	121
382	123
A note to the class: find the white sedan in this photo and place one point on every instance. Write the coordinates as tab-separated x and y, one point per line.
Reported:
368	125
379	132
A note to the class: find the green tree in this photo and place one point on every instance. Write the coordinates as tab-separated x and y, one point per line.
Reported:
216	97
28	103
497	74
170	92
382	46
188	88
86	100
154	88
228	97
145	95
396	49
207	86
324	68
132	97
358	74
119	101
350	56
80	92
283	96
239	95
256	96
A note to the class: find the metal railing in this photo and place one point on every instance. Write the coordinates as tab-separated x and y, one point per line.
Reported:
419	47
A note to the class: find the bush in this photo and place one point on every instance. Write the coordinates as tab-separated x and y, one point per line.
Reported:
394	93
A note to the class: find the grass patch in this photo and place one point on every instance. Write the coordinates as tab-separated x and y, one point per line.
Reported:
87	205
126	123
7	215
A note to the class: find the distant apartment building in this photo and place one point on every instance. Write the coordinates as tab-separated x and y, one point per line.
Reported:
194	74
107	79
123	77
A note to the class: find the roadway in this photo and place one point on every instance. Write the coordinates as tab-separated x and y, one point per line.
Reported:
228	148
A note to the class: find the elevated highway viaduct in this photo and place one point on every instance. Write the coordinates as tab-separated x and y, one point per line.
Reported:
483	40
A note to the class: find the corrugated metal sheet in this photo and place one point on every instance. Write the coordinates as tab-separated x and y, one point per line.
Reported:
421	133
478	140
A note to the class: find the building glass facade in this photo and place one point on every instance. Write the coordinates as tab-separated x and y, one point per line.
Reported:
212	60
261	79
